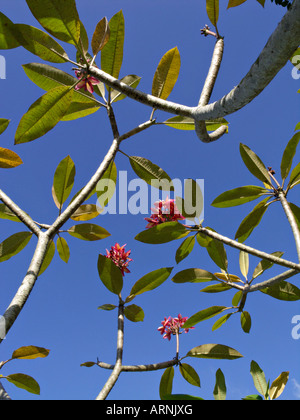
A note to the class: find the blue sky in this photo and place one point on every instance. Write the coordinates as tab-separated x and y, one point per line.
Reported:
61	313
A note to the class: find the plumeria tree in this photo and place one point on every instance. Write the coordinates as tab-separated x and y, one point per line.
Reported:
93	84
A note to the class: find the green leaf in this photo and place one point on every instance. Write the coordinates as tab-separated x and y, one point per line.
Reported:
9	159
48	257
180	397
244	263
112	52
295	176
63	249
48	77
259	378
44	114
7	35
192	205
253	398
13	245
88	232
162	233
134	313
296	212
216	288
100	36
107	307
40	44
187	123
106	187
3	124
193	275
283	291
217	253
166	382
221	321
278	385
214	351
88	364
110	274
63	181
25	382
204	315
234	3
220	386
131	80
80	110
265	264
150	173
30	352
59	18
228	277
203	240
246	321
294	58
6	213
212	9
251	221
85	212
185	249
151	281
288	155
255	164
189	374
238	196
166	74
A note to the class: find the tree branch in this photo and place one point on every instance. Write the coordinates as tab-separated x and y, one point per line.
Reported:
3	394
291	219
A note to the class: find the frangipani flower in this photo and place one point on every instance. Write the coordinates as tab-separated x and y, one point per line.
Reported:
164	211
86	83
121	258
172	326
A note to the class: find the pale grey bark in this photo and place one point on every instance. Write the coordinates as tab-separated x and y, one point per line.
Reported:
3	394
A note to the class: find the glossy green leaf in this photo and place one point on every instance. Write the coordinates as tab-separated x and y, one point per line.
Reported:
7	35
234	3
6	213
48	77
80	110
237	298
131	80
9	159
253	398
228	277
217	253
259	378
151	281
283	291
189	374
3	124
204	315
265	264
216	288
187	123
220	386
48	257
288	155
100	36
214	351
212	9
166	382
193	275
150	173
166	74
185	249
30	352
63	249
255	164
107	307
88	232
110	274
134	313
221	321
180	397
85	212
245	321
251	221
112	52
238	196
244	263
59	18
162	233
88	364
44	114
295	176
13	245
83	40
24	382
63	181
203	240
278	385
40	44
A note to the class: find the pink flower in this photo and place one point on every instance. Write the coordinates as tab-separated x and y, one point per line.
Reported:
172	326
164	211
121	258
86	83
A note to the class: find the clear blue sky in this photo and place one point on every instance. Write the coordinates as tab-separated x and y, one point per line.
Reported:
61	313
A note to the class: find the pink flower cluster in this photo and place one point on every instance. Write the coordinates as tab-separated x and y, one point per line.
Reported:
164	211
172	326
86	83
121	258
